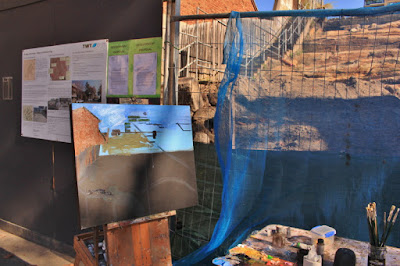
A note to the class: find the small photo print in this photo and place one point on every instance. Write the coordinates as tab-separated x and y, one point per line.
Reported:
29	69
27	113
59	104
59	68
86	91
40	114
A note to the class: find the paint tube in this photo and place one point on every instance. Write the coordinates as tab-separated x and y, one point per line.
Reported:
301	246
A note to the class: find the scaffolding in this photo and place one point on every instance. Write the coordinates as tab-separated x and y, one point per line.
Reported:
308	69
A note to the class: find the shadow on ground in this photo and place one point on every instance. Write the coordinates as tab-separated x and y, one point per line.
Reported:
9	259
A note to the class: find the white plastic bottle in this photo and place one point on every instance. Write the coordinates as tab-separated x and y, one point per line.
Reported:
312	259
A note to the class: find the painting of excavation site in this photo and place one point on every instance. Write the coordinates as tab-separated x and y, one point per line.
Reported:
132	160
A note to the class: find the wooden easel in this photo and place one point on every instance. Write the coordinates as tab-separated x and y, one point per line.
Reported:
144	241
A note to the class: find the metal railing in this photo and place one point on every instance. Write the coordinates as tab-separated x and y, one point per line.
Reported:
267	43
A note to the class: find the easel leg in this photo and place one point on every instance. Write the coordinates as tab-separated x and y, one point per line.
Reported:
105	243
96	245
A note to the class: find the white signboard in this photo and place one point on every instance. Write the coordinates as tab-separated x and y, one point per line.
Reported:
145	73
118	71
55	76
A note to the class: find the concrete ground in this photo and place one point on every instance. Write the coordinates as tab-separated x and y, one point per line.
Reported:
16	251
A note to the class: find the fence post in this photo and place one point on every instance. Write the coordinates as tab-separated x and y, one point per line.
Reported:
166	54
174	39
299	22
177	31
213	50
279	46
245	67
188	62
197	46
291	35
171	55
285	42
263	47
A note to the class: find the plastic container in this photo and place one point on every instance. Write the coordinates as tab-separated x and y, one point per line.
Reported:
312	259
324	232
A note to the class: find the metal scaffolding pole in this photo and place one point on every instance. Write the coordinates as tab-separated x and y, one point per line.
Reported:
173	53
357	12
166	53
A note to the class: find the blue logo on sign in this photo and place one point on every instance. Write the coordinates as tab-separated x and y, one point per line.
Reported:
94	45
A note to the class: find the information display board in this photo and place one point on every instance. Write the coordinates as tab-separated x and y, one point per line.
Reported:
55	76
135	68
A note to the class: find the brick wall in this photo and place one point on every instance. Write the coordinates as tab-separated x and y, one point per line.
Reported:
86	130
189	7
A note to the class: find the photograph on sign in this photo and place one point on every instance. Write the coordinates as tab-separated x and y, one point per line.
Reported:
59	68
27	113
132	160
86	91
29	69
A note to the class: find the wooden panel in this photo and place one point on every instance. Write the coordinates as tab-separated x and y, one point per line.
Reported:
144	238
160	244
141	220
120	246
144	243
137	249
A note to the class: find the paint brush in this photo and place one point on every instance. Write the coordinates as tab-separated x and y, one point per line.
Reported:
390	228
384	219
376	224
373	224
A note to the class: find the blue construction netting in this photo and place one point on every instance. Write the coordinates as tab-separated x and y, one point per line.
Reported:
311	135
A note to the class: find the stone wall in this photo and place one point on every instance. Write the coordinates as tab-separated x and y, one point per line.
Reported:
202	99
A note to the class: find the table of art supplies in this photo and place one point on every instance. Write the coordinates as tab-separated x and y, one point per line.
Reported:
283	245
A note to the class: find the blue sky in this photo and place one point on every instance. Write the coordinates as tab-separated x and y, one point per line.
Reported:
265	5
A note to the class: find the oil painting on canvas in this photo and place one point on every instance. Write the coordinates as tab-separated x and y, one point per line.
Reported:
132	160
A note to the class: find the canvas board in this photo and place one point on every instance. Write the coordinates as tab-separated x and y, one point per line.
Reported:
132	160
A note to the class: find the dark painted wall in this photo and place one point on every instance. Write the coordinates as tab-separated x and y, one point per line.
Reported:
26	165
